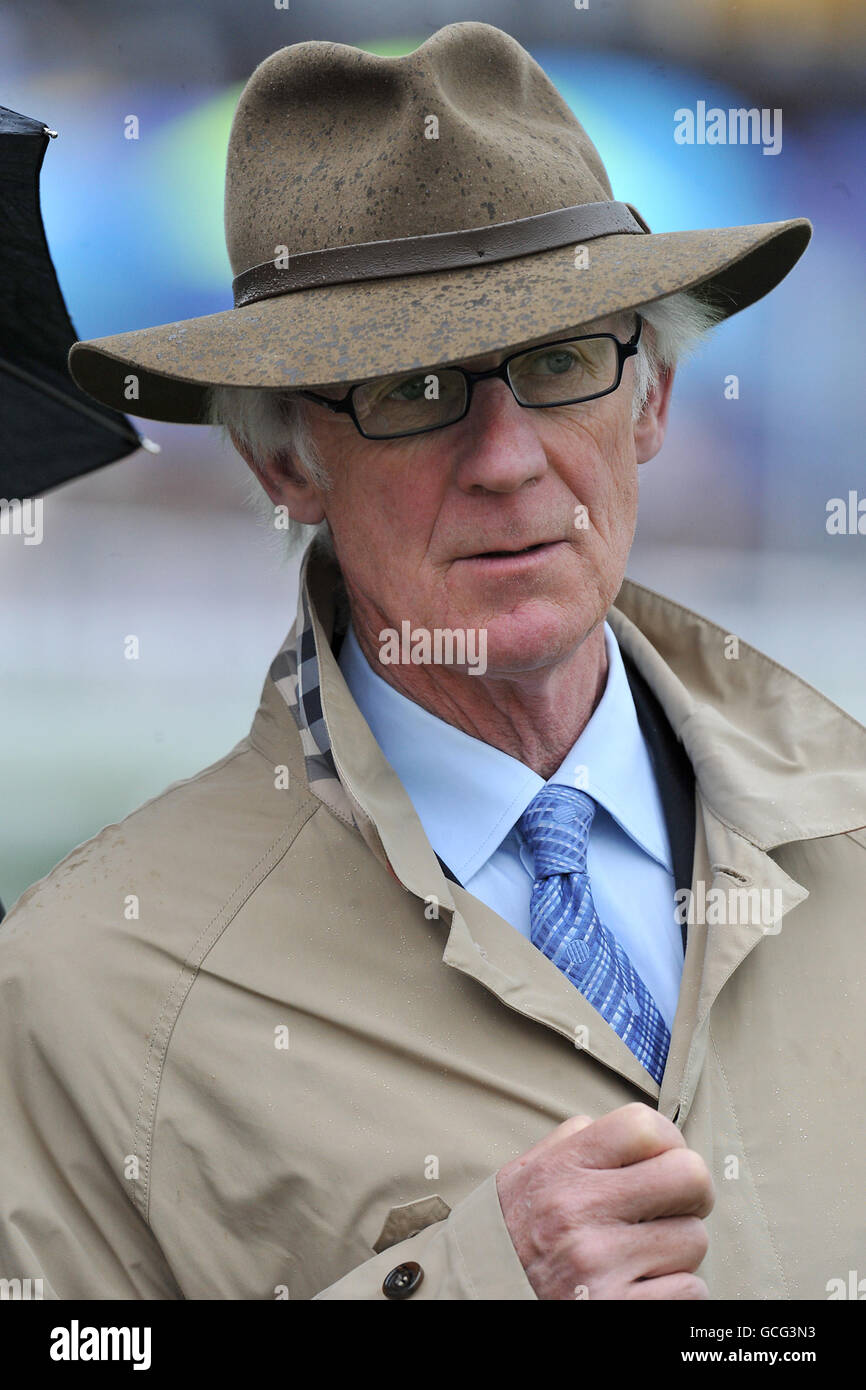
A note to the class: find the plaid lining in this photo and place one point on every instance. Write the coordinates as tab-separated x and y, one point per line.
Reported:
295	673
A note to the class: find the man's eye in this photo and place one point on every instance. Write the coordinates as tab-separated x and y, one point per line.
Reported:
411	388
555	363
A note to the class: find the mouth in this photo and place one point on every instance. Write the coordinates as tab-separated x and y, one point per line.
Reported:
527	554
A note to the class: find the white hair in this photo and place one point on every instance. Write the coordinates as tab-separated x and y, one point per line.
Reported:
272	424
680	323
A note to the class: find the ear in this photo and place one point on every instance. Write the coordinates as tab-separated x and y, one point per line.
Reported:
651	426
284	483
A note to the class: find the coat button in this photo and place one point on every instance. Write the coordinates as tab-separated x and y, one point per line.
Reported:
403	1281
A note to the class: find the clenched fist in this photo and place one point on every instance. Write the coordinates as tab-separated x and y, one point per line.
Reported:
610	1208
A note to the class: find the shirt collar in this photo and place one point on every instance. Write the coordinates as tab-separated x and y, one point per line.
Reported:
433	759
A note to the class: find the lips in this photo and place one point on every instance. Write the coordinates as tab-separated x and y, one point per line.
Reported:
502	554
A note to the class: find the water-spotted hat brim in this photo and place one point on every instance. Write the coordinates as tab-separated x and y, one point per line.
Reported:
348	332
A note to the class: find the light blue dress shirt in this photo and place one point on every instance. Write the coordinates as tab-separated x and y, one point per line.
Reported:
469	797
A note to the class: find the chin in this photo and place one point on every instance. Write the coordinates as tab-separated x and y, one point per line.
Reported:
534	637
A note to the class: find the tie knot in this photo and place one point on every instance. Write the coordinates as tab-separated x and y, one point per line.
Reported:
556	826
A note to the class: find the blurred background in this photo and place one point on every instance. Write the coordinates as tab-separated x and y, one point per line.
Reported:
163	547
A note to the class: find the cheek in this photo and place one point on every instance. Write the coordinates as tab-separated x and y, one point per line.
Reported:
620	469
627	490
377	509
604	476
620	513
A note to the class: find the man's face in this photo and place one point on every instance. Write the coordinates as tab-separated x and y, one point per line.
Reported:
412	517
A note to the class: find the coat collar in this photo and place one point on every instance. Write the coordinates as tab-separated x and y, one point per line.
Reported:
774	762
774	759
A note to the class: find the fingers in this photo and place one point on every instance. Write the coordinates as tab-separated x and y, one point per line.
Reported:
629	1135
671	1245
671	1288
615	1258
674	1183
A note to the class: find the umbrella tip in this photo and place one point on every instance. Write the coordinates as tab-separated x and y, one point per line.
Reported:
149	444
53	133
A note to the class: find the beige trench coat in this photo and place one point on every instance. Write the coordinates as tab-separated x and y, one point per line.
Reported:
239	1055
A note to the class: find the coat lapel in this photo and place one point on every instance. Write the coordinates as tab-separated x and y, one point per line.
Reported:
482	944
725	866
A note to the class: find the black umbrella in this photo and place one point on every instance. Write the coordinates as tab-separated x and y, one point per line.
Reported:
50	431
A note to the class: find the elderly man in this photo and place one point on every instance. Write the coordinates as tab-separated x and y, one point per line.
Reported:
514	953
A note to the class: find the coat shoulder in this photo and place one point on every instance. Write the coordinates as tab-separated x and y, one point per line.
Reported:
161	873
774	758
97	957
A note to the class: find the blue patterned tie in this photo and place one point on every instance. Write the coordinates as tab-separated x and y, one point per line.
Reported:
566	927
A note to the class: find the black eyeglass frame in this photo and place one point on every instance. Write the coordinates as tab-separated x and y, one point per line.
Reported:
345	405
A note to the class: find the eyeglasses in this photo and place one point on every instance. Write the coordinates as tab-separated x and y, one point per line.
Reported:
564	372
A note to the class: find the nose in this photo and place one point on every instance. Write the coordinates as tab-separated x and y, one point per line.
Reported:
497	447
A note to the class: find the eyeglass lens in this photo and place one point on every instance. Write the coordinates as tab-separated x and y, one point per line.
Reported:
557	374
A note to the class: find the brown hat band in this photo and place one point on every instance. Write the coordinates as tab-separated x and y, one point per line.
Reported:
412	255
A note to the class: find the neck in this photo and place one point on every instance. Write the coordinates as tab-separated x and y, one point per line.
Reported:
534	716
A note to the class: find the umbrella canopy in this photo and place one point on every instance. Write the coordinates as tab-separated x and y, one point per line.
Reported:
50	431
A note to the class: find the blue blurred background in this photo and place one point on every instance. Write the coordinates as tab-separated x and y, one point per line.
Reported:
733	511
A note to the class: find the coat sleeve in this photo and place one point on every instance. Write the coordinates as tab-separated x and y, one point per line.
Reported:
469	1255
67	1222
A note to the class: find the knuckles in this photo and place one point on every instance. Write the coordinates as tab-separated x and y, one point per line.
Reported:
589	1252
695	1240
688	1171
649	1127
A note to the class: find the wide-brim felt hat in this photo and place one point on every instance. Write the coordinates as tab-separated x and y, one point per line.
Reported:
383	214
